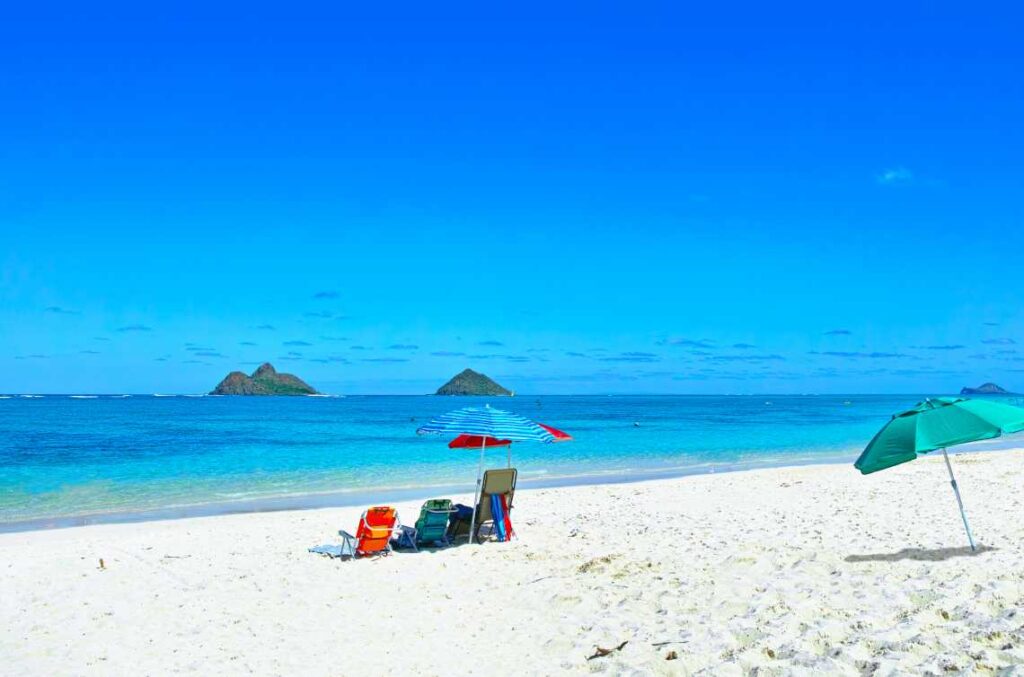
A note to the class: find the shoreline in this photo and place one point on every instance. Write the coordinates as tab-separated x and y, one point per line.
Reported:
357	497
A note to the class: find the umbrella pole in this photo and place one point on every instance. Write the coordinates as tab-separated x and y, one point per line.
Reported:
959	501
476	493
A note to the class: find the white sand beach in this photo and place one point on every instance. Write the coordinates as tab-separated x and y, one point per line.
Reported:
782	571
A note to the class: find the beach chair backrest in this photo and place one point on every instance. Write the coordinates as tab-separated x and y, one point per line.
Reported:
432	524
501	481
375	528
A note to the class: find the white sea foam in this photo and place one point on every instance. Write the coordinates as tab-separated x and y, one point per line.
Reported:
82	397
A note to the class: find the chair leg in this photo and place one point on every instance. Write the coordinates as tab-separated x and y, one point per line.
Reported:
347	543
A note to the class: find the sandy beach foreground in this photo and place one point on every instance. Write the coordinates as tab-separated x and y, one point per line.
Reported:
791	570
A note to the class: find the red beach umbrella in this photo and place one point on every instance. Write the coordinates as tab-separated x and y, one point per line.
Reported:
477	441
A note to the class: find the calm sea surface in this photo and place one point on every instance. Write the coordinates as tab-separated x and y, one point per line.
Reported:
67	460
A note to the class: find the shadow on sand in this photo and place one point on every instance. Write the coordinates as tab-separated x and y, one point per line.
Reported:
921	554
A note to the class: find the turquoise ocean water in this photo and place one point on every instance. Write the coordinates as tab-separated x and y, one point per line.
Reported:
74	459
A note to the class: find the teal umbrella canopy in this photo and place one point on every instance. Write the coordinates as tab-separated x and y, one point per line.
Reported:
938	423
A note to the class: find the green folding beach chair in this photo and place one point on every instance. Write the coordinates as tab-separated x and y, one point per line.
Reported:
431	527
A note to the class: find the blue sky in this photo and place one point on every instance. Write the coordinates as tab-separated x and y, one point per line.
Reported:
643	198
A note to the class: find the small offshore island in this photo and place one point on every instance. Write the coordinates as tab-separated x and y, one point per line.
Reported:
264	381
469	382
985	389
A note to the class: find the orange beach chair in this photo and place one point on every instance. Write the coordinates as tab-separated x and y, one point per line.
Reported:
373	536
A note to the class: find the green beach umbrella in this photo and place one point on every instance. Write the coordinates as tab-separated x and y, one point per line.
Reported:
939	423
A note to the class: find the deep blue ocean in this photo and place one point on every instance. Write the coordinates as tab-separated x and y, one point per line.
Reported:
108	457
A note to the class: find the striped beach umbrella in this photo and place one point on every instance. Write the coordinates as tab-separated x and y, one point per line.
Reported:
486	423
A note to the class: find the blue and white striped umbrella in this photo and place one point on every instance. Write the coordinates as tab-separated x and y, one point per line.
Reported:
485	422
502	425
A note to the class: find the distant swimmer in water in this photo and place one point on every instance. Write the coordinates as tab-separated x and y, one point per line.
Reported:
636	424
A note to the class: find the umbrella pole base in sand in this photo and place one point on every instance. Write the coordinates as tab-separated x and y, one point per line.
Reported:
959	501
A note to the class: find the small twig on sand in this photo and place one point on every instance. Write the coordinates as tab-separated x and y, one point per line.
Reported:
538	580
600	652
102	566
672	641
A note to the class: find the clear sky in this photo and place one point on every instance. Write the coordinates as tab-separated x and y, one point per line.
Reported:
599	198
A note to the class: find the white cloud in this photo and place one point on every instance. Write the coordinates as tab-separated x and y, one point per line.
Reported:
895	176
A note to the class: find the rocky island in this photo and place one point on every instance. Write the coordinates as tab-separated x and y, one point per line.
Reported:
985	389
470	382
264	381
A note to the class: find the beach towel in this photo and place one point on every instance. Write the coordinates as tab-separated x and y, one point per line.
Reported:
499	517
509	531
502	520
341	550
